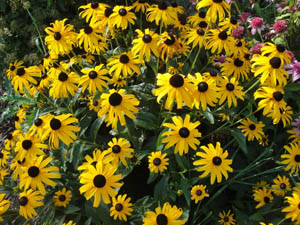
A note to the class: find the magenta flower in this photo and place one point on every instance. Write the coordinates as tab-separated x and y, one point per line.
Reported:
244	17
296	73
256	25
296	124
238	32
256	48
280	26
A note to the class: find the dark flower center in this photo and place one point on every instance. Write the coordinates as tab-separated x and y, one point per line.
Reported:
108	12
44	76
94	5
182	19
20	72
203	24
223	35
116	149
93	74
26	144
297	158
162	219
199	192
1	155
217	1
233	21
99	181
282	186
157	161
94	163
226	219
238	62
247	56
176	81
12	68
124	59
266	199
230	87
202	86
238	43
23	201
21	162
95	103
147	38
115	99
275	62
16	118
252	126
9	137
33	171
174	4
280	48
119	207
170	41
38	122
134	159
87	29
200	32
55	124
63	76
62	198
202	14
57	36
162	6
217	161
277	95
142	1
122	12
213	73
184	132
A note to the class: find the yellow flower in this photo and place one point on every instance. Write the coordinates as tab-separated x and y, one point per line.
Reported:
293	211
251	129
226	218
4	205
121	207
62	197
161	14
158	162
198	193
29	200
121	16
119	150
217	9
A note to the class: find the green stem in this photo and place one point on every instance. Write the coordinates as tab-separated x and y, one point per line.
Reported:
193	65
252	86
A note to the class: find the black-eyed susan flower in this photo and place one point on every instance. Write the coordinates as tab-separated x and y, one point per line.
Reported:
145	44
183	134
230	91
214	76
217	9
168	45
251	129
121	16
3	172
70	222
100	181
94	104
11	72
196	36
28	201
4	205
260	185
116	104
25	77
16	166
94	79
206	92
197	18
271	102
37	173
45	81
262	196
64	84
98	156
118	81
292	158
48	60
91	10
62	197
103	15
181	23
164	215
198	193
271	50
213	162
285	116
161	14
229	23
119	150
121	207
90	36
61	37
59	128
226	218
4	156
29	145
237	67
38	126
87	58
267	67
125	64
158	162
264	141
176	87
292	210
281	185
240	50
219	40
20	119
140	5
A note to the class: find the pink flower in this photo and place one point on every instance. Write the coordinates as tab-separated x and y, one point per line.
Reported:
291	54
296	124
257	25
256	48
238	32
280	26
296	73
244	17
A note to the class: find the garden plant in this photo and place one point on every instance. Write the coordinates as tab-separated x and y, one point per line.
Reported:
150	112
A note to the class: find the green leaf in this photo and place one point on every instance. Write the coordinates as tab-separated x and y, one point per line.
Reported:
152	177
71	209
292	87
85	122
146	120
240	138
95	127
182	162
258	10
209	116
161	188
185	187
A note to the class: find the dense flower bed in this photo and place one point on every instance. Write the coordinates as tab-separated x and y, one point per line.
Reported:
149	113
